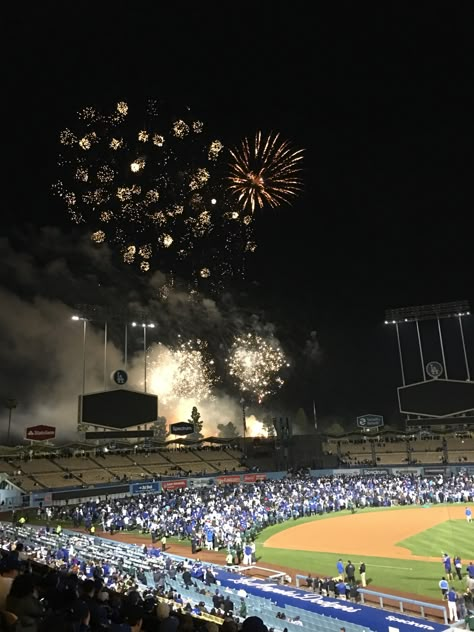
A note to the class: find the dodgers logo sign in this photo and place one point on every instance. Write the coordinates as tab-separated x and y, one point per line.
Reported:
434	370
120	377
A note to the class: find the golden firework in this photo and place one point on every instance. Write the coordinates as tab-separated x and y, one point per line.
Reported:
255	364
265	170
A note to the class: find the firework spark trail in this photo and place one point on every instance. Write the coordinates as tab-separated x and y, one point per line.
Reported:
265	171
183	372
148	183
255	363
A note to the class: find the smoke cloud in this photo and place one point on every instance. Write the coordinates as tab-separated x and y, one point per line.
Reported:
45	276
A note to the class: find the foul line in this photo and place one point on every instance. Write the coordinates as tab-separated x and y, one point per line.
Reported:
402	568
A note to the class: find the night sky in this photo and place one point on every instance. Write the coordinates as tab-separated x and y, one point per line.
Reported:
381	101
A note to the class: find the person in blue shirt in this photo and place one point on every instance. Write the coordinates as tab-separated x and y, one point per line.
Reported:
341	589
452	607
468	514
448	570
340	568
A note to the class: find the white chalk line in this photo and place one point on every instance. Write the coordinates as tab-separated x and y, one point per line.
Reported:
402	568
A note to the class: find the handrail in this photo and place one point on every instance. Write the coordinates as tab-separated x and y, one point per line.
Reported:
402	600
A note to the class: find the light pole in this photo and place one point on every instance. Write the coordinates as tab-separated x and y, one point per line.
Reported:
244	420
10	404
105	356
144	326
84	338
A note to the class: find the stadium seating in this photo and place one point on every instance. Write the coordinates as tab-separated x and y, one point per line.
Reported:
185	456
34	466
151	458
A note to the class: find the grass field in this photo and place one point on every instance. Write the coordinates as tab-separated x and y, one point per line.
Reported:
407	575
457	535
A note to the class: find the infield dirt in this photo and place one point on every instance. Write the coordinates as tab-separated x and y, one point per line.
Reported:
375	533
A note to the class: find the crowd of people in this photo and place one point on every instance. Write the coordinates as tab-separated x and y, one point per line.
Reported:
228	516
214	517
66	583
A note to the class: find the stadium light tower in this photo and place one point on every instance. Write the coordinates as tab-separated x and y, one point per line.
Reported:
84	338
144	326
436	312
11	404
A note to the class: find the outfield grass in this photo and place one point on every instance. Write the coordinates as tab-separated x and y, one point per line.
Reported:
411	576
455	537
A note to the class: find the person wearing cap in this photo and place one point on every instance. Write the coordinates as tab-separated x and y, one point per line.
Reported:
9	569
362	571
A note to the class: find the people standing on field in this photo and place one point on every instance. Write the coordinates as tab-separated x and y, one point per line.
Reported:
452	607
458	566
350	572
448	569
362	571
468	514
340	568
444	587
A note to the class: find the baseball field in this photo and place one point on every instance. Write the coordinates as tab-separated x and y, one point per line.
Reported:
401	547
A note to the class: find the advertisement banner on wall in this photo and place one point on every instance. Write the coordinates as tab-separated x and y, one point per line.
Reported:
434	471
253	478
145	488
200	482
40	433
41	500
170	485
228	479
375	472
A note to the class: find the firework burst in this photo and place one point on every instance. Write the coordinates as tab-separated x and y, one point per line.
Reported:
265	170
255	364
148	183
183	372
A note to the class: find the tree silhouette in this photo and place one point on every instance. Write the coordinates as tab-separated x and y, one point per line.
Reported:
198	424
160	430
228	431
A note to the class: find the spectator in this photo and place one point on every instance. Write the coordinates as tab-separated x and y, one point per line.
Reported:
23	601
9	569
254	624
